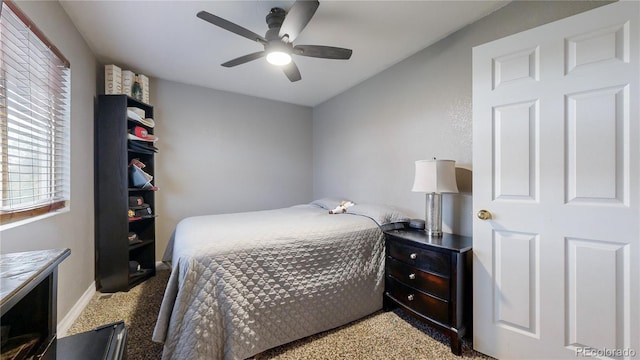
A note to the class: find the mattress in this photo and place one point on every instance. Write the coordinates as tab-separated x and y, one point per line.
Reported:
246	282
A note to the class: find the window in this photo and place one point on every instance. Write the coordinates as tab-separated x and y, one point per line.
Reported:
34	120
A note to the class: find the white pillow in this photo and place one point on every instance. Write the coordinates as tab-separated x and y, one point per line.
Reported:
381	214
328	203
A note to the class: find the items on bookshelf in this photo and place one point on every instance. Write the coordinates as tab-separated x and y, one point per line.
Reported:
141	134
138	209
133	238
138	115
118	81
112	79
144	82
136	89
139	178
127	82
142	148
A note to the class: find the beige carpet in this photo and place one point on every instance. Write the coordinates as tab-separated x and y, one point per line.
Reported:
383	335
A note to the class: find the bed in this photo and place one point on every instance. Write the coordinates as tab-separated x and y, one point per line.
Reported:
246	282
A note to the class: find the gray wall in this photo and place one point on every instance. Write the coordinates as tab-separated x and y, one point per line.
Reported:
221	152
365	140
73	229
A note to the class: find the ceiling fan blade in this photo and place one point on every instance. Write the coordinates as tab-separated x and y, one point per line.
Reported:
325	52
244	59
228	25
292	72
297	18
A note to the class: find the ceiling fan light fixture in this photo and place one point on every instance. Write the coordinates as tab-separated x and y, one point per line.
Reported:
284	28
279	58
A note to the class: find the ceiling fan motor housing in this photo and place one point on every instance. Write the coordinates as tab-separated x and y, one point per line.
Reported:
274	20
275	17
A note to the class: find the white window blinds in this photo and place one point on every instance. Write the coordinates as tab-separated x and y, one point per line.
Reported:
34	120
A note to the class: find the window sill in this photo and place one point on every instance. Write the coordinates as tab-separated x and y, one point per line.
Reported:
34	219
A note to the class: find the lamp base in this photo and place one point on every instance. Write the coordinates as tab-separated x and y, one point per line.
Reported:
433	211
433	233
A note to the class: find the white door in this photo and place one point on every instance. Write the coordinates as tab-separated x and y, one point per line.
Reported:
556	161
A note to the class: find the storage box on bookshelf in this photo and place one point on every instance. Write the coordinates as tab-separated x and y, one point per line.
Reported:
112	79
128	77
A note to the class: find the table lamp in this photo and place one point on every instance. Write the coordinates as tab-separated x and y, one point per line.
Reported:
435	177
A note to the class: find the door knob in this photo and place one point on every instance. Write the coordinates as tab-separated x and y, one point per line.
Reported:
483	215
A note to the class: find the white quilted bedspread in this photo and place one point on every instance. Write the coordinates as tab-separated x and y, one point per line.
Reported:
243	283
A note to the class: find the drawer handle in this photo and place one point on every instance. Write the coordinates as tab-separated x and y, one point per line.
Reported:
413	256
412	276
410	297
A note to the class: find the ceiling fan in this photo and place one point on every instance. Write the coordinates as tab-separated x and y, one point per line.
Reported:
284	27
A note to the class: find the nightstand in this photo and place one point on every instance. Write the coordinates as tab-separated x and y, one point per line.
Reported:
430	278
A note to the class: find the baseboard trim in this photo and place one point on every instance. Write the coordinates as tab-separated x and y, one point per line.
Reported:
65	324
67	321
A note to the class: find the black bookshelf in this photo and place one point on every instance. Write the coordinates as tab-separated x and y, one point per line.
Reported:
113	251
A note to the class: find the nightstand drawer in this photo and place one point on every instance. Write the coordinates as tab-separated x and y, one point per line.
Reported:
424	304
422	259
426	282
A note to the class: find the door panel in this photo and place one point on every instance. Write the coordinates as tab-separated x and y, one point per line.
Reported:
519	67
556	160
597	295
516	262
515	151
598	138
610	44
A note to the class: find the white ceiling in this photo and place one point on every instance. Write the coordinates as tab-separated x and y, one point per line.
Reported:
165	39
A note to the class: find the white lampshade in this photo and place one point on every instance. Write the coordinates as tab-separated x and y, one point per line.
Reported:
435	176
